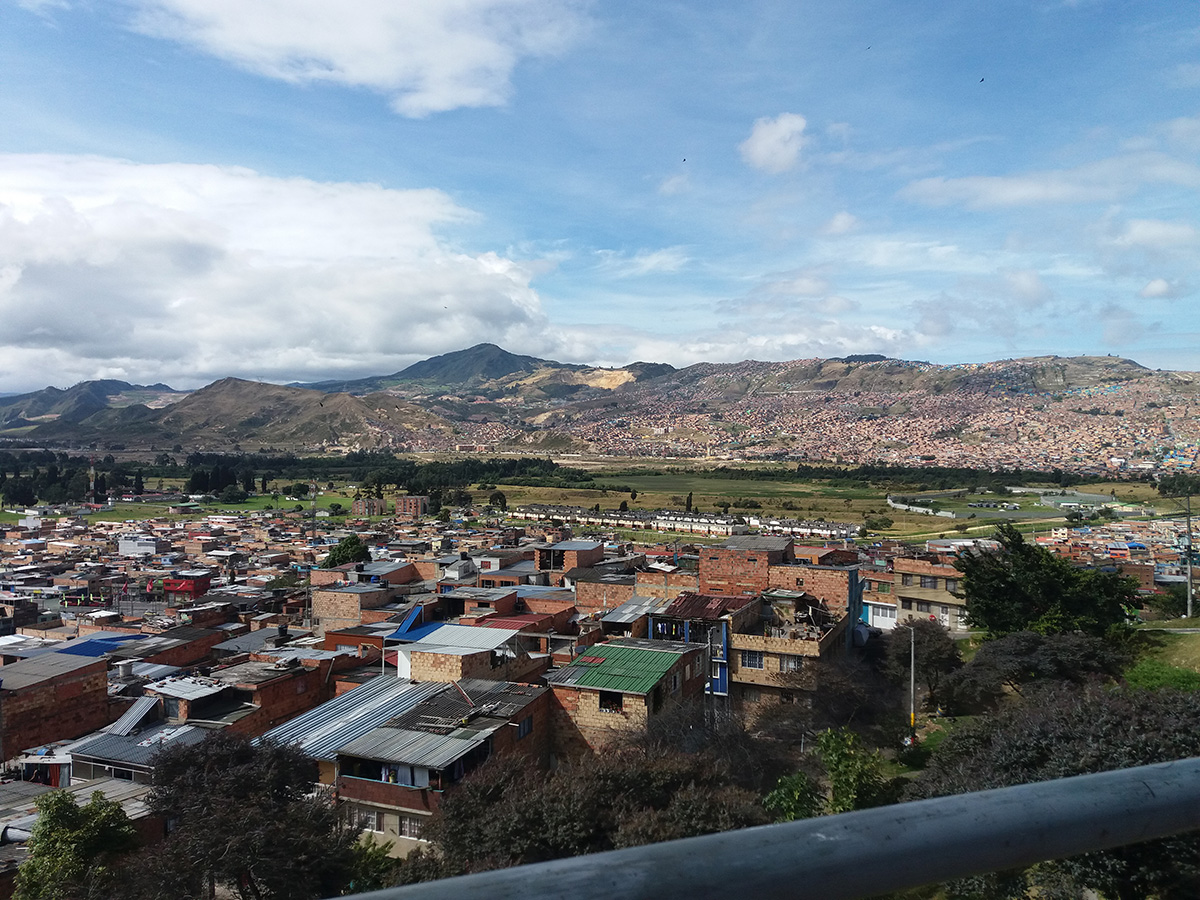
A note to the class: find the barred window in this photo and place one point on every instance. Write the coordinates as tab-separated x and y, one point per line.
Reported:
752	659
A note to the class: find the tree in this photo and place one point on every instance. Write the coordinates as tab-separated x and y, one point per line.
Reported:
624	506
838	692
852	777
937	655
138	486
498	500
1073	732
1022	658
349	549
231	493
72	848
507	812
1023	587
688	506
244	818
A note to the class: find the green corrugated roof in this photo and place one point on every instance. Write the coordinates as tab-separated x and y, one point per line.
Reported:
630	670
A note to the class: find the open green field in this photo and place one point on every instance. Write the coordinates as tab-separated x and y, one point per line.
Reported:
1181	650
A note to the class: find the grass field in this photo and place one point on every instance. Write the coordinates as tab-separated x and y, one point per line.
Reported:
1181	650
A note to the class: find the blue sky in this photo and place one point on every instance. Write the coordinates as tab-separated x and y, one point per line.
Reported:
298	189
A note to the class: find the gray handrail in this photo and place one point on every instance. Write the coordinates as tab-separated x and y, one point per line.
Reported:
860	854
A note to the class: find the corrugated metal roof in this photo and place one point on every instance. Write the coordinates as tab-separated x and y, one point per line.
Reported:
187	687
622	666
153	671
132	717
461	637
492	704
689	605
414	748
634	608
137	749
325	729
37	669
96	647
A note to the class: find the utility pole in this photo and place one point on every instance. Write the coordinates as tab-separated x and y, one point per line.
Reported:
912	680
1188	549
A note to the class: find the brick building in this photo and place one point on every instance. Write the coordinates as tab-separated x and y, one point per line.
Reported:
369	506
412	506
51	697
620	687
392	778
926	588
340	606
740	565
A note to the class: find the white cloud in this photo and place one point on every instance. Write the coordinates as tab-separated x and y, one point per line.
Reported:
1156	234
1102	181
190	273
774	144
675	184
427	57
1185	75
842	223
1161	288
644	262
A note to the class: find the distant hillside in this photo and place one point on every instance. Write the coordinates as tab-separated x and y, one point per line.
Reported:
475	365
233	411
74	405
483	362
486	396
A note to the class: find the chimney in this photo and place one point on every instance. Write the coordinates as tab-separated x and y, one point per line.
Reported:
125	668
283	630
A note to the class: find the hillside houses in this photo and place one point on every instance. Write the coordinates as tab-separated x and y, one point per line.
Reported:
402	673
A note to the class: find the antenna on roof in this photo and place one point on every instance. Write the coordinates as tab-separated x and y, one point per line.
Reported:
466	697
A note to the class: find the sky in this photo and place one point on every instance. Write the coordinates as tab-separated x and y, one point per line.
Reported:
298	190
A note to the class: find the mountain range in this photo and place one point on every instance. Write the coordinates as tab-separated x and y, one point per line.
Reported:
470	396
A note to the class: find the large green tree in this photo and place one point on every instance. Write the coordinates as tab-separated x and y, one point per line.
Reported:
72	848
348	550
1015	661
1024	587
1067	732
244	822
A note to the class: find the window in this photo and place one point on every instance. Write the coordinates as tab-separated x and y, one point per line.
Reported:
752	659
716	669
928	581
906	604
790	663
952	584
524	727
885	612
906	580
922	606
883	587
674	682
368	819
410	826
611	701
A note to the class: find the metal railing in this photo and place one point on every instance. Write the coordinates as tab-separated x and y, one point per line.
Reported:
861	854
